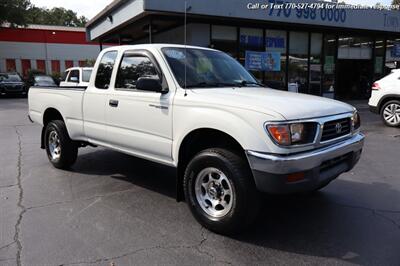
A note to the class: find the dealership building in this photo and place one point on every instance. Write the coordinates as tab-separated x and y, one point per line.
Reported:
50	49
329	51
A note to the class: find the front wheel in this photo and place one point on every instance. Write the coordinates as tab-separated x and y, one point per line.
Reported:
61	150
220	191
391	113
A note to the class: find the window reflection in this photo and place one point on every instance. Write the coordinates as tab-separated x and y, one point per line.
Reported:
298	62
315	64
276	43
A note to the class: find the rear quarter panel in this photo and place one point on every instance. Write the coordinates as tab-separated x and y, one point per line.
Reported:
68	102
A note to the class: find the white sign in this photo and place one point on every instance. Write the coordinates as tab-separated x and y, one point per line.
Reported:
290	11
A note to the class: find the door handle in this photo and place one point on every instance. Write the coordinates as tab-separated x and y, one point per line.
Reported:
113	103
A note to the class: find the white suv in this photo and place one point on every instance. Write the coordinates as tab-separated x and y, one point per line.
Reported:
385	98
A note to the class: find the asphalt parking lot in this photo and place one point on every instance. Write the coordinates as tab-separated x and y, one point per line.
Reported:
112	209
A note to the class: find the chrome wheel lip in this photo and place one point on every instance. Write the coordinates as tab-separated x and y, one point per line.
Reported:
54	145
214	195
391	114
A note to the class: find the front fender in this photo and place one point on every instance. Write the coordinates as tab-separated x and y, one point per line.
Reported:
245	126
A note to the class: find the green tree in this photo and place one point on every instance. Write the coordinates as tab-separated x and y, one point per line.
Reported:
396	2
14	11
56	16
22	12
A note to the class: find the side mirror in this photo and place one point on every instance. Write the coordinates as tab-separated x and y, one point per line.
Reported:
74	79
150	84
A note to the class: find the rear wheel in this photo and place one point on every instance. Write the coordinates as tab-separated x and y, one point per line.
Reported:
220	191
61	150
391	113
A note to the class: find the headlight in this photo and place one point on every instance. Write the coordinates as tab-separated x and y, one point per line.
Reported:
356	121
293	134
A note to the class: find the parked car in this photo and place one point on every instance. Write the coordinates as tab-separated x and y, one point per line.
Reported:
41	80
12	84
76	77
385	98
200	111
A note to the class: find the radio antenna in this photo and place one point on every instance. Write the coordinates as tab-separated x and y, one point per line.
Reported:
185	38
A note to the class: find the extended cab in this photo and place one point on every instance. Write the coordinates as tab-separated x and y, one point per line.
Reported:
76	77
200	111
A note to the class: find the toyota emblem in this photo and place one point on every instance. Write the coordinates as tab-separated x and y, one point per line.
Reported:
338	128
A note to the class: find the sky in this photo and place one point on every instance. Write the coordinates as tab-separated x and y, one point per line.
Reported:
89	8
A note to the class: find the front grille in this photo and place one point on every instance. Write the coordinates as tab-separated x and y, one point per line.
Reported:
13	88
336	128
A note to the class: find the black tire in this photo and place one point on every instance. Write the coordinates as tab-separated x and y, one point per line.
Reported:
383	116
68	148
245	199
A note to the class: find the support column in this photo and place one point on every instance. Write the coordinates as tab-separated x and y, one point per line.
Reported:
151	30
3	65
18	65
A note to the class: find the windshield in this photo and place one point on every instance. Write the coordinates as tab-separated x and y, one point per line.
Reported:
10	77
46	79
86	75
206	68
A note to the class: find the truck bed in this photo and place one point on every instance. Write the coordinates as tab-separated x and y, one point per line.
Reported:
67	100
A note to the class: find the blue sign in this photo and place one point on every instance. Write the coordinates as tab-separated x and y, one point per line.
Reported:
275	42
396	50
263	61
252	41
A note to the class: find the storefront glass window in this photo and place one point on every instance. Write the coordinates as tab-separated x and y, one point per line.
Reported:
276	43
298	62
392	55
328	79
224	38
379	57
315	64
251	40
355	48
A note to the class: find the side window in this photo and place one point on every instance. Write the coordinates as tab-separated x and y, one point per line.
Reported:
73	76
104	71
131	69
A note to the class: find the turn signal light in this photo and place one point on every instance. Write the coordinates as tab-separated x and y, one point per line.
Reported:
280	133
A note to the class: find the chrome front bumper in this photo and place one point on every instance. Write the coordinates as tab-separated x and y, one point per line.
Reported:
319	166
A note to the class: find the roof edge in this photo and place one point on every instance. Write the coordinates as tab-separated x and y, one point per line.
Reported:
112	6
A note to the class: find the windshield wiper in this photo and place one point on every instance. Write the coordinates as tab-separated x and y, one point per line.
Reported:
247	82
211	84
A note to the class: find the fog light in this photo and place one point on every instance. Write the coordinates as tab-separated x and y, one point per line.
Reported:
295	177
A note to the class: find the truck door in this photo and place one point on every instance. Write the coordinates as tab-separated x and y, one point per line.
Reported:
140	122
94	103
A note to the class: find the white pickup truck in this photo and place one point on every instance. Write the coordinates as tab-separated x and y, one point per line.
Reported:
76	77
200	111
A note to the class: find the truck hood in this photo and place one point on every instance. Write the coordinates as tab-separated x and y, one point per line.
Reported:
288	104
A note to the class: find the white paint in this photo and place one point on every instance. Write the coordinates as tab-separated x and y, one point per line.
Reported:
388	85
119	16
158	138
